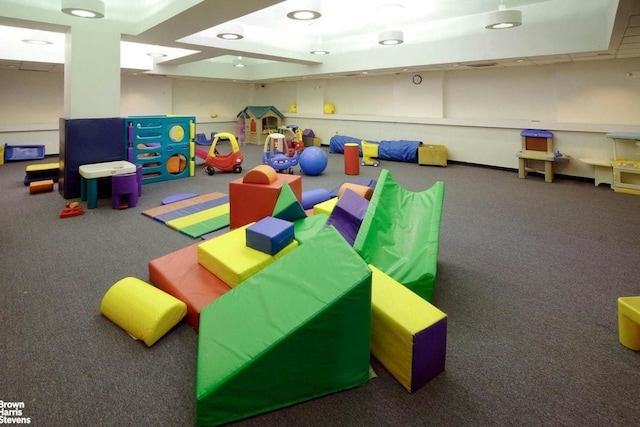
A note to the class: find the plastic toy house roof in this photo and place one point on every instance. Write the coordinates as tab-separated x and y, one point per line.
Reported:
259	111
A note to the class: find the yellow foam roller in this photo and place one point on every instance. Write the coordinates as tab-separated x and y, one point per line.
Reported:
142	310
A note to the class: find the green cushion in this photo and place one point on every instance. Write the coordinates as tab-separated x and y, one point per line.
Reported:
400	234
298	329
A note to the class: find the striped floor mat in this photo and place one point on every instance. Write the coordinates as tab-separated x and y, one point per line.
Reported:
196	216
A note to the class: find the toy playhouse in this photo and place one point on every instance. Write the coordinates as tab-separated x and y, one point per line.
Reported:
259	121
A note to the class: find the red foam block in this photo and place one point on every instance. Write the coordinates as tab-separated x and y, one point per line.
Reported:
180	275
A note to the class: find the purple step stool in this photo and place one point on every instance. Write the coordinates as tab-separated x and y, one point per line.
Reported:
124	190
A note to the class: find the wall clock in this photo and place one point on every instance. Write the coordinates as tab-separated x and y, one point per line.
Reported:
417	79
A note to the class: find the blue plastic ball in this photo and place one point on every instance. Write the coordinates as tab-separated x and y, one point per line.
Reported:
313	161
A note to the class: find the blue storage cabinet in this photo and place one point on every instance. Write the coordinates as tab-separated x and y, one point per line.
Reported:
162	145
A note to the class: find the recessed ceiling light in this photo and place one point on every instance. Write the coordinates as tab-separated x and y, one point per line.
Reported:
390	38
503	18
41	42
303	10
231	32
318	49
92	9
229	36
390	10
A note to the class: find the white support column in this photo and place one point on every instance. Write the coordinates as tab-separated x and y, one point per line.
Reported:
92	71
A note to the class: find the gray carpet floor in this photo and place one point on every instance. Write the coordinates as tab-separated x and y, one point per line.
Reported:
529	273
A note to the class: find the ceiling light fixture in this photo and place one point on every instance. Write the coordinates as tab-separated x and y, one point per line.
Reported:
37	38
389	12
231	32
390	38
503	18
92	9
318	49
303	10
37	41
238	62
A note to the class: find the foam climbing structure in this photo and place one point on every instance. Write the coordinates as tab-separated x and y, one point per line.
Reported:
400	233
296	330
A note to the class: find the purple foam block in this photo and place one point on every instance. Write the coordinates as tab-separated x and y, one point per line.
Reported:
348	214
429	354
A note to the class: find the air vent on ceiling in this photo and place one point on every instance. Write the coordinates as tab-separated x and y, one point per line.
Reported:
482	65
36	66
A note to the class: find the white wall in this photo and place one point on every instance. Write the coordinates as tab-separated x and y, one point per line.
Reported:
32	103
145	95
206	99
477	114
30	97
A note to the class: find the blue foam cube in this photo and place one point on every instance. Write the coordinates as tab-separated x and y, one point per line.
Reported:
270	235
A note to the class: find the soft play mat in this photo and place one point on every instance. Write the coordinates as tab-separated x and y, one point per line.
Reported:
296	330
194	216
400	233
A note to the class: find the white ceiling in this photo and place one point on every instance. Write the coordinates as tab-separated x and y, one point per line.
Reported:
438	34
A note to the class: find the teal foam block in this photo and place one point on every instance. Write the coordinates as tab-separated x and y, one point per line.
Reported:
298	329
400	233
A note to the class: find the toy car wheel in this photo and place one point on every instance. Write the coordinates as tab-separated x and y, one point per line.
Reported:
210	170
237	169
376	164
290	171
